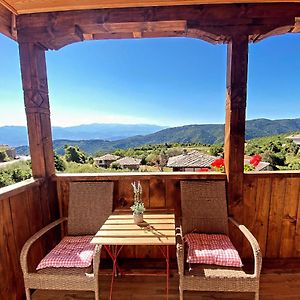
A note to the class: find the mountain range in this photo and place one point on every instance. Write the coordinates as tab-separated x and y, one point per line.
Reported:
17	135
205	134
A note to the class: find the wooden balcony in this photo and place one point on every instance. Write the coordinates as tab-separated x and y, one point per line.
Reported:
270	209
267	203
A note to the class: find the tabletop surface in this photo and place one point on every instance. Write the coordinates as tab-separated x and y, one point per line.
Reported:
119	229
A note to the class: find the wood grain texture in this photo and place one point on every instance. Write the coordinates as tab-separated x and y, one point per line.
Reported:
235	120
275	216
19	187
250	191
25	7
6	22
157	193
35	87
271	211
289	218
21	215
212	23
9	263
261	192
279	281
146	176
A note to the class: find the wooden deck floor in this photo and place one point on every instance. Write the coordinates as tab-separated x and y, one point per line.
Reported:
280	280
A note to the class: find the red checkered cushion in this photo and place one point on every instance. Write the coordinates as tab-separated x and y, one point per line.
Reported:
211	249
71	252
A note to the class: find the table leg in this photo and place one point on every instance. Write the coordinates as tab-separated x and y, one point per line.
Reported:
167	257
114	255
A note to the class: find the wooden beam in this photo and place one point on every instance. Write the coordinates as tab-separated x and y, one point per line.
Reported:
7	25
27	7
216	23
236	91
8	6
277	31
35	87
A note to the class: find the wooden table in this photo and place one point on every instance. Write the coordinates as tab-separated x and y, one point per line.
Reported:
158	229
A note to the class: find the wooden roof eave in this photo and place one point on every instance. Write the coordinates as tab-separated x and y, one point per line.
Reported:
212	23
7	22
36	6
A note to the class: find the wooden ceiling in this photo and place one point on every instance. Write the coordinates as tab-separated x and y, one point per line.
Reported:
36	6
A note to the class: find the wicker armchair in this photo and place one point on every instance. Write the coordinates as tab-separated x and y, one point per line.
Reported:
90	204
204	208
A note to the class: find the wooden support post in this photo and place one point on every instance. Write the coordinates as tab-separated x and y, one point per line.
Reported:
236	91
34	79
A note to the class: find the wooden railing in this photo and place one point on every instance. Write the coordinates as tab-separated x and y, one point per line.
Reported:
23	211
271	210
271	206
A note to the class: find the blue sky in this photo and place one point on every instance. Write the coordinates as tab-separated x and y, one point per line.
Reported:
171	82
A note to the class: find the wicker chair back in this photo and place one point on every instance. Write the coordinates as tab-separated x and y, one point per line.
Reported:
90	204
204	207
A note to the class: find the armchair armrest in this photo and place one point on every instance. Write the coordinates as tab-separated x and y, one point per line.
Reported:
33	239
96	259
254	245
180	250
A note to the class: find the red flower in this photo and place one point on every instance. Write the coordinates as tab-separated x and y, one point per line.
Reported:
203	170
218	163
255	160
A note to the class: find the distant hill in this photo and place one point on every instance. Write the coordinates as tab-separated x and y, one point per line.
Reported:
17	135
205	134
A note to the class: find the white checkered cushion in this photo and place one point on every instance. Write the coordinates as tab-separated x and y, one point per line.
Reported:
71	252
211	249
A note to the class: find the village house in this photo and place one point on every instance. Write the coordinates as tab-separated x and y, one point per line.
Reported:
295	138
129	163
190	161
197	161
106	160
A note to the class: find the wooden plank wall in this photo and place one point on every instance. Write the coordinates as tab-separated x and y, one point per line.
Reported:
271	206
272	213
23	212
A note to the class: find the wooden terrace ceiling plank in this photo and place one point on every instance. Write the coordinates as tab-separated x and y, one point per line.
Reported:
35	6
8	6
7	24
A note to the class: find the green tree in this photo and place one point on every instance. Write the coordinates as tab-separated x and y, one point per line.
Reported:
3	155
216	150
143	160
73	153
275	159
119	152
151	159
115	166
19	174
5	179
60	164
162	160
